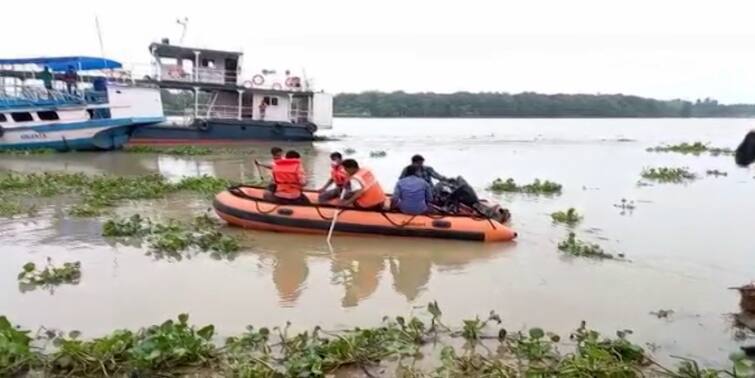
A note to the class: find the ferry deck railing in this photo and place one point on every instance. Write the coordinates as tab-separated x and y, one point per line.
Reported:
16	96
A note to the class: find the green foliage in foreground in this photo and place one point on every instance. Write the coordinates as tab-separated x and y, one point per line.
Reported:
176	347
695	148
570	217
668	175
16	353
536	187
51	275
97	193
575	247
174	237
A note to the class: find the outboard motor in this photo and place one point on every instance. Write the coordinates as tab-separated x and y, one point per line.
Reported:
453	194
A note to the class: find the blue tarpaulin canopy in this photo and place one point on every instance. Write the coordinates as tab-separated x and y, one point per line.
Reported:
60	64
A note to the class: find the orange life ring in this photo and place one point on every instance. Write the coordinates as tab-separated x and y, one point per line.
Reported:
258	79
277	86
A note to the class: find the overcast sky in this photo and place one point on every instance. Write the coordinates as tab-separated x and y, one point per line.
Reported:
657	48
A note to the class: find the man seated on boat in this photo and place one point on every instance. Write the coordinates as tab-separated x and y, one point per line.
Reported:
364	191
338	178
412	195
276	153
423	171
289	180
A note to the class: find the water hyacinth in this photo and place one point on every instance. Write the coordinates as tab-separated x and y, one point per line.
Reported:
173	237
378	154
177	150
575	247
536	187
668	175
100	192
570	216
68	273
695	148
177	347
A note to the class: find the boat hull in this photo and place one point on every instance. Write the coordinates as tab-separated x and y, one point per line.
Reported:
97	134
222	131
245	207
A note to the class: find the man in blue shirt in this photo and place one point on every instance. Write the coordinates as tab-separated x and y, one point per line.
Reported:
423	171
412	194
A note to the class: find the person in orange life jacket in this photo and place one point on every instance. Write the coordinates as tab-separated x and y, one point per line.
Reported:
338	177
277	154
289	180
364	191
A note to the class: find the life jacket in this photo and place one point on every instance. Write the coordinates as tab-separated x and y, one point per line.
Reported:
288	178
338	175
372	194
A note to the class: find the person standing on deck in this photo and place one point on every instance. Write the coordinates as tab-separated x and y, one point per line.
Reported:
71	78
46	77
263	107
338	177
364	189
423	171
412	194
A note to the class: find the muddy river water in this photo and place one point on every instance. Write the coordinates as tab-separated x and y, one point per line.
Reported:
686	243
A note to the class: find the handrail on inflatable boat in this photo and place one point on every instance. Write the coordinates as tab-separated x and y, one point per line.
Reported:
236	191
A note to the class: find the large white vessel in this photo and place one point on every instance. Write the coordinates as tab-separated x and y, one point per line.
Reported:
63	103
218	104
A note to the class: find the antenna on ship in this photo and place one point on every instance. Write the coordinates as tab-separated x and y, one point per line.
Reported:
99	37
184	24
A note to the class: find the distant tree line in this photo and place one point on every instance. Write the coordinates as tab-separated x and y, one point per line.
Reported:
527	104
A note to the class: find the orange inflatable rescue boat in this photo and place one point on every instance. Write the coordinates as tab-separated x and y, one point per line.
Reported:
245	206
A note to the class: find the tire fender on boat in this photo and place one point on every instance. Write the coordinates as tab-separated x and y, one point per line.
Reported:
311	127
202	124
2	131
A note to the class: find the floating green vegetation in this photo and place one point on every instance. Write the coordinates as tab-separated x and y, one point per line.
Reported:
536	187
173	237
10	208
98	193
695	148
27	151
668	175
177	150
570	217
575	247
378	154
716	173
176	347
349	151
68	273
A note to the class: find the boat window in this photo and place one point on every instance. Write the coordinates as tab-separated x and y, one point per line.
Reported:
271	101
22	117
2	118
48	115
209	63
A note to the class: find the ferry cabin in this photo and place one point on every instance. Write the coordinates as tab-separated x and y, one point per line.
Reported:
221	92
